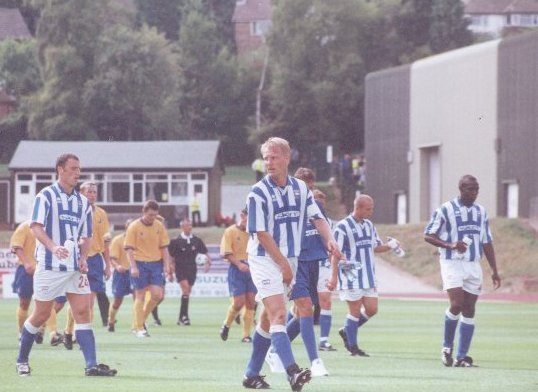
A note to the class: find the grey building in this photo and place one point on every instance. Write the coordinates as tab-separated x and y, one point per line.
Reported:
128	174
467	111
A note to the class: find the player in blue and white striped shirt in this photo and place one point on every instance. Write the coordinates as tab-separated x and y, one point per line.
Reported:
460	230
61	222
357	238
278	208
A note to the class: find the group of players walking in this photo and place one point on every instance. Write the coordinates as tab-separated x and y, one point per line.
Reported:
283	247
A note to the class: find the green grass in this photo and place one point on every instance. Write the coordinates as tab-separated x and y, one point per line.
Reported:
403	340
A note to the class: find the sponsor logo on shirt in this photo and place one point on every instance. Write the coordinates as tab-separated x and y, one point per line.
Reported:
286	215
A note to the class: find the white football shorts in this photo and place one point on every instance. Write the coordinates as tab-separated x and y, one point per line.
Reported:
461	273
357	294
51	284
267	276
324	276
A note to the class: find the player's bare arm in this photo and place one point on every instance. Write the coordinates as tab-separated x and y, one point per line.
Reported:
460	246
84	245
134	269
490	257
325	231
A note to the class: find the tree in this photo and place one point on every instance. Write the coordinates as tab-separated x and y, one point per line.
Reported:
425	27
318	66
448	29
212	100
132	95
165	15
19	70
19	76
66	37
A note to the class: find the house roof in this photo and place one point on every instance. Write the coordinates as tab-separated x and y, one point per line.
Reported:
12	24
252	10
6	98
501	7
138	155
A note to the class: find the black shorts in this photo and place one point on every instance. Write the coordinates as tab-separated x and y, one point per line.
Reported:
186	272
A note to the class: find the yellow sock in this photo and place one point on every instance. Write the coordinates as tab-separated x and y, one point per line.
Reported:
112	314
248	321
22	315
70	322
230	316
51	323
139	314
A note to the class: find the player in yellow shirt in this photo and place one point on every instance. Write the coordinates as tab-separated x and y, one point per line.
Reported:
146	243
22	244
98	261
233	248
121	278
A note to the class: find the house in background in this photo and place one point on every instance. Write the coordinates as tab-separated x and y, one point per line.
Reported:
466	111
497	17
252	21
12	25
128	174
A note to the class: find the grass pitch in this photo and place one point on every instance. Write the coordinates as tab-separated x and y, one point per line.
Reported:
403	340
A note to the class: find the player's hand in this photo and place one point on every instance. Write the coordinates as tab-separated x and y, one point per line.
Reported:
135	273
106	273
83	266
333	249
60	252
287	274
331	284
496	280
243	267
459	246
170	276
207	266
29	268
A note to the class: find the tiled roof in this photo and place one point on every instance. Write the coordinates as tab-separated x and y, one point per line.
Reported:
501	6
252	10
12	24
137	155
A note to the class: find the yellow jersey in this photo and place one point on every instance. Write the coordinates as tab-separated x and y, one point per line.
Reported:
146	240
234	241
117	251
23	238
101	231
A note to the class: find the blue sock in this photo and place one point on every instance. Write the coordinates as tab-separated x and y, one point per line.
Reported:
325	321
466	335
282	345
27	340
261	341
309	337
352	327
363	318
293	328
86	341
451	323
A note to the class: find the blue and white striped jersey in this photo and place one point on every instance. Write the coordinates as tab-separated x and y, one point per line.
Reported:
453	221
282	212
312	247
357	241
63	217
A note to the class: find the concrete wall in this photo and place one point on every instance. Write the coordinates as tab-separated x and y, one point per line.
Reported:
453	111
518	120
387	139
